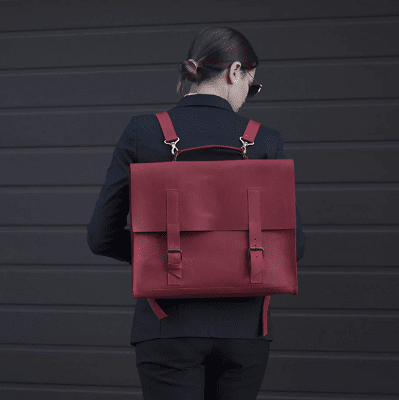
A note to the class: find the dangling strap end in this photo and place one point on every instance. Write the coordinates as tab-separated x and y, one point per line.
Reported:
266	302
157	309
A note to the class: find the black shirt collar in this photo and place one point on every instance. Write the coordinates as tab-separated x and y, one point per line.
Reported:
211	100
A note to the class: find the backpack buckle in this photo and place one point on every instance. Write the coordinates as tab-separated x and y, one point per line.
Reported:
256	248
174	251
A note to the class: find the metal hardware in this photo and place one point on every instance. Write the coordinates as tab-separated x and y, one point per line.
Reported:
176	250
244	147
173	144
175	150
256	248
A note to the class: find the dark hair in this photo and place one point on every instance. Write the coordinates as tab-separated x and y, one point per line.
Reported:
214	50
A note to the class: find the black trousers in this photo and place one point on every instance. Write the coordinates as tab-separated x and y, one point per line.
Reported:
202	368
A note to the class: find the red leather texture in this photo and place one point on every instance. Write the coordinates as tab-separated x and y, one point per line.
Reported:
208	214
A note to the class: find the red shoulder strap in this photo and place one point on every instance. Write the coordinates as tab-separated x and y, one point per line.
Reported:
170	134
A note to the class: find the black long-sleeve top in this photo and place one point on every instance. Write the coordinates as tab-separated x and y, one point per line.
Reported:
199	120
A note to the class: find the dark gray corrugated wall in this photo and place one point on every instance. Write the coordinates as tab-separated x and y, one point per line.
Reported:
71	77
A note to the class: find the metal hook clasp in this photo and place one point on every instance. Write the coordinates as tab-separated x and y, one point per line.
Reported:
173	144
244	147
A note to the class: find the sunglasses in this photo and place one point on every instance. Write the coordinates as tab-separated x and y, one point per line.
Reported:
254	89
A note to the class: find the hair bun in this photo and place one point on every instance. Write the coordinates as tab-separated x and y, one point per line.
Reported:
191	61
213	51
189	69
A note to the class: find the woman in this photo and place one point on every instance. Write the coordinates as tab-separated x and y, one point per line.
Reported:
208	348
